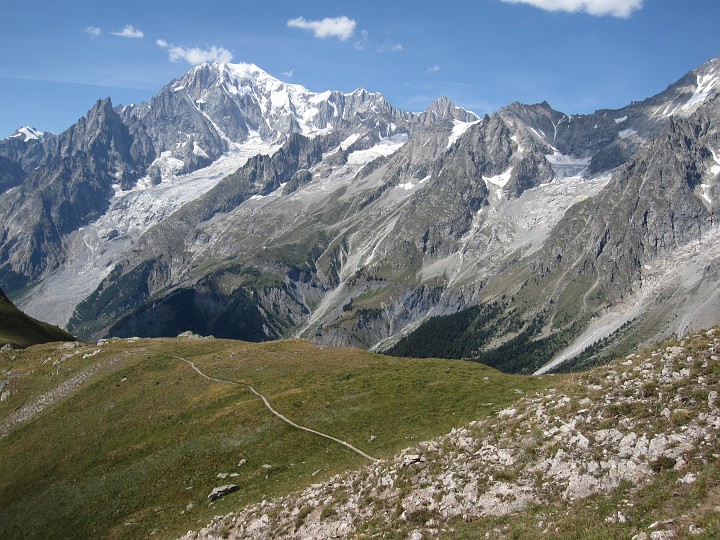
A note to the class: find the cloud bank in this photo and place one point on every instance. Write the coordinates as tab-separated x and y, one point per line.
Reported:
617	8
195	55
339	27
390	48
129	32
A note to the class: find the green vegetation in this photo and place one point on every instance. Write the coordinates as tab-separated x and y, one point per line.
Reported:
236	314
299	250
470	333
525	353
603	351
19	330
139	445
450	336
663	503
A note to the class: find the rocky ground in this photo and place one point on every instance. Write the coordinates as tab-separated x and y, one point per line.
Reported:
645	423
31	409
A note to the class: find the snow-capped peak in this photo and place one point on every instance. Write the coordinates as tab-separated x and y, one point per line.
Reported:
243	70
244	73
273	107
27	133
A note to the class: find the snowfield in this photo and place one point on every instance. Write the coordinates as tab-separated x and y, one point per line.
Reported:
385	147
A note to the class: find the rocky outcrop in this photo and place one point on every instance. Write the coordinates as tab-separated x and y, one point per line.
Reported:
443	110
11	174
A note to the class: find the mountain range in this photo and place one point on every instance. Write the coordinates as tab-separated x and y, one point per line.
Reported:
238	205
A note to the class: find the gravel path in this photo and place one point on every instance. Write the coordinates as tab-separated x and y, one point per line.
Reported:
280	416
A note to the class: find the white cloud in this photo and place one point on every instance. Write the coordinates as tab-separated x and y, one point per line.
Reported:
129	32
94	31
339	27
362	42
390	47
195	55
616	8
433	69
289	73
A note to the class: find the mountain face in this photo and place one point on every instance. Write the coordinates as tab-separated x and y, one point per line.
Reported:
237	205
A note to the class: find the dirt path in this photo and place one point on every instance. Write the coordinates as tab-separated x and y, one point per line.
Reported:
277	414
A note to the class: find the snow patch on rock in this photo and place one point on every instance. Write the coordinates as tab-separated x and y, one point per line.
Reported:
498	182
705	84
94	249
458	130
385	147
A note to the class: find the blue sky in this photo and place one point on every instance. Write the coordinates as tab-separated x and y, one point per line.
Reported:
57	58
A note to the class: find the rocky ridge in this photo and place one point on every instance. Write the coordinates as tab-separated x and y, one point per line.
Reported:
645	423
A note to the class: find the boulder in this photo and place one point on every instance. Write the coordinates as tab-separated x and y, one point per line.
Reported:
221	491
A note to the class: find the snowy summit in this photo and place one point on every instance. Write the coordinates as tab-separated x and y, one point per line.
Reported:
27	133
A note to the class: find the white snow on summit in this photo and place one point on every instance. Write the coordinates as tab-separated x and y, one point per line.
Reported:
27	133
274	96
281	104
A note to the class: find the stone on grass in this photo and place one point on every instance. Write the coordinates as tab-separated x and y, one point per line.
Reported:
221	491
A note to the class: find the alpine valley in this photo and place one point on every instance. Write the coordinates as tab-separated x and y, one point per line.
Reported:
237	205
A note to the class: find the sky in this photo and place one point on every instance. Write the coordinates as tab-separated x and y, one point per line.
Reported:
58	57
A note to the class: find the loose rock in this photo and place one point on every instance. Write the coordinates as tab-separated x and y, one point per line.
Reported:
221	491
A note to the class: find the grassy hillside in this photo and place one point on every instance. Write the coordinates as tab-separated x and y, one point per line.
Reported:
19	330
126	439
626	450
